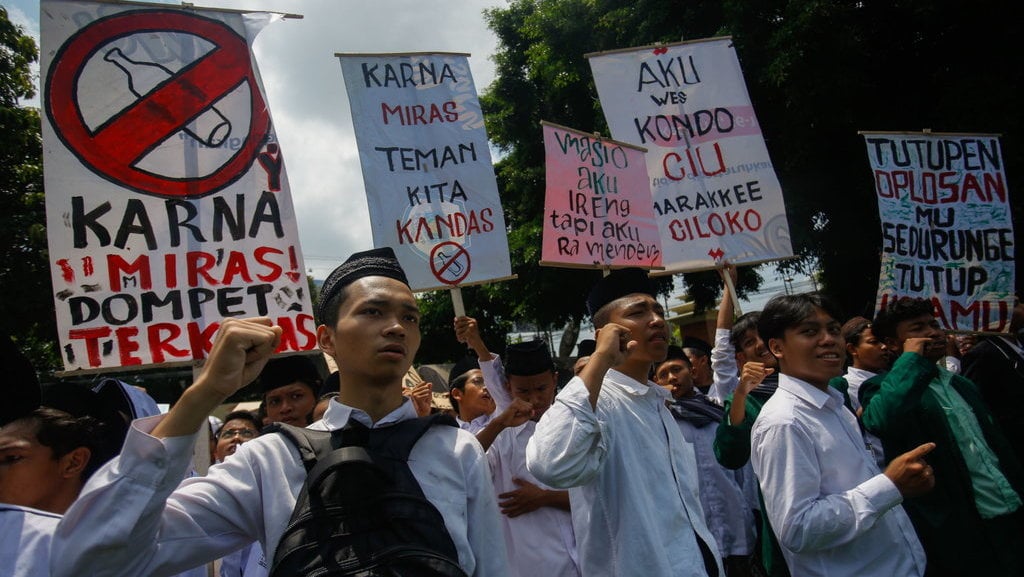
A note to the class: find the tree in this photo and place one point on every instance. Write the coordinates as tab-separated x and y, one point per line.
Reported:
26	308
817	73
542	75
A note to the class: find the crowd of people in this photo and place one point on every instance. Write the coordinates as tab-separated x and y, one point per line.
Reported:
801	442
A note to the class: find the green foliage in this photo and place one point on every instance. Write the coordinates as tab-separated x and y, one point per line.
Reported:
26	309
436	319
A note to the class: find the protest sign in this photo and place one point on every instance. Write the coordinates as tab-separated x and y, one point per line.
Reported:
597	208
715	192
947	233
167	199
426	165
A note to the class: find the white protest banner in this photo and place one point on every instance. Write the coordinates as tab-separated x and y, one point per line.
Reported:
430	186
947	233
597	206
167	201
715	192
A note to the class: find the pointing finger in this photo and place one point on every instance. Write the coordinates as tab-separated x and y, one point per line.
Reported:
921	451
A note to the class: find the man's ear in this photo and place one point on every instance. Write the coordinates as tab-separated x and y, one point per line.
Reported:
325	340
741	359
775	346
455	394
74	462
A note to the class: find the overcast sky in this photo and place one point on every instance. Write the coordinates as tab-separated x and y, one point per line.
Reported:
307	96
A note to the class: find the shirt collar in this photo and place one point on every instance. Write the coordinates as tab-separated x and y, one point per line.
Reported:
807	392
863	374
634	387
338	415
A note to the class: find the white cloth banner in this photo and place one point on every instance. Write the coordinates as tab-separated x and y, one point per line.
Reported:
947	232
427	170
167	201
715	192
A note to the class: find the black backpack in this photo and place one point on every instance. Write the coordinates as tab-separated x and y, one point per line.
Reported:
361	511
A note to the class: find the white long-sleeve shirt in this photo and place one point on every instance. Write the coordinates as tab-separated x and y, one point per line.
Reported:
855	378
723	367
834	513
133	519
25	536
726	507
541	542
631	476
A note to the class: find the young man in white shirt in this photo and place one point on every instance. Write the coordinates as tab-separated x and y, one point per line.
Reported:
150	526
727	508
833	511
610	439
470	395
538	526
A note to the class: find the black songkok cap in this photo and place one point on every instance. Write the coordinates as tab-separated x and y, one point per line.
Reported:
586	347
332	384
695	343
284	371
676	352
81	401
463	366
528	359
21	383
374	262
620	283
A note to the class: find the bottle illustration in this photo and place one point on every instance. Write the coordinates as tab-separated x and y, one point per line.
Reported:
211	128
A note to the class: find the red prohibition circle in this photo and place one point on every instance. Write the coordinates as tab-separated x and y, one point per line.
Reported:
113	149
458	251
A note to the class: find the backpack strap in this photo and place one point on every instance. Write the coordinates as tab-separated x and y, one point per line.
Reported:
312	445
315	445
404	435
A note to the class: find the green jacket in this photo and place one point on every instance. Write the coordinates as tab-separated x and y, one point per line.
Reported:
901	409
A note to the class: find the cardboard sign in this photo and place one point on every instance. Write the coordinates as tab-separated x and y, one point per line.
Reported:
167	200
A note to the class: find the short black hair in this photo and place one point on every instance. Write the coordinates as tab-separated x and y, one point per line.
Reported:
674	353
62	433
741	326
332	306
458	382
241	416
787	311
898	310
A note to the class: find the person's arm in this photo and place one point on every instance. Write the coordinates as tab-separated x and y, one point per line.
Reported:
129	520
885	398
421	396
732	441
613	342
788	468
467	331
753	375
569	445
529	497
723	354
517	413
133	518
239	353
483	520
